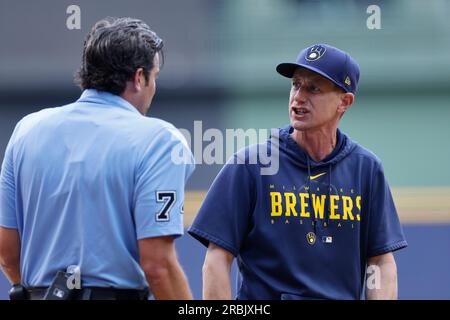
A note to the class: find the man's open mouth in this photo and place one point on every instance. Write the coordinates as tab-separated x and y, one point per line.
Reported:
300	111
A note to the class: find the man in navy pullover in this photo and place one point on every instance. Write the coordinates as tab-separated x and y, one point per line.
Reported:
324	226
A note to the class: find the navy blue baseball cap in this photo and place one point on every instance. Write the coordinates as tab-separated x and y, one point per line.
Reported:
330	62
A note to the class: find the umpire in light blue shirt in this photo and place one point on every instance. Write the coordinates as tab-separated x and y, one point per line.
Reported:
93	186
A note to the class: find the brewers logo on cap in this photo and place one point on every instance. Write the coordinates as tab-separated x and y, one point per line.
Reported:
347	81
315	52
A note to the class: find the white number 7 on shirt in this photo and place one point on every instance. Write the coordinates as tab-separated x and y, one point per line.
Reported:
169	198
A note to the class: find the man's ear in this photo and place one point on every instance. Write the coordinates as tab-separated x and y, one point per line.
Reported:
346	101
138	79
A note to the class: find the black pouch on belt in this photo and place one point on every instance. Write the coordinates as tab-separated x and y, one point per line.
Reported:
59	289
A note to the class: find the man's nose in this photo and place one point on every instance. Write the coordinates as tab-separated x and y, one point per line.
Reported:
300	94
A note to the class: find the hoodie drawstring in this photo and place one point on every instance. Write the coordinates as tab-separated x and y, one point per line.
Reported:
309	194
310	202
329	195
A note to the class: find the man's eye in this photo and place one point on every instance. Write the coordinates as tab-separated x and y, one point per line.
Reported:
296	85
314	89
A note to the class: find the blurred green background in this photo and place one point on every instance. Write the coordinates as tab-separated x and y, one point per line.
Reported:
402	111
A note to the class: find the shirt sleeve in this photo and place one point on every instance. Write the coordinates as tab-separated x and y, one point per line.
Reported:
385	230
8	217
159	190
225	215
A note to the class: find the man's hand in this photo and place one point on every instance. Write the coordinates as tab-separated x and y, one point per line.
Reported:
163	272
10	254
216	273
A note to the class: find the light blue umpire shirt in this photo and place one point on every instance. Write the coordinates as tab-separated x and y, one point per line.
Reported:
83	182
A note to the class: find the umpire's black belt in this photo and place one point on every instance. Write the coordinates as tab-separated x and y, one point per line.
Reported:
94	293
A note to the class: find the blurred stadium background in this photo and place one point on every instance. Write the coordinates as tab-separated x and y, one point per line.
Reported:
220	69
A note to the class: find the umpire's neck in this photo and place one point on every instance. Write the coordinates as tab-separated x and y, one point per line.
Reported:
140	90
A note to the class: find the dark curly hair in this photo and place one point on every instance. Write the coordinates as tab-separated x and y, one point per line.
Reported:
113	50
